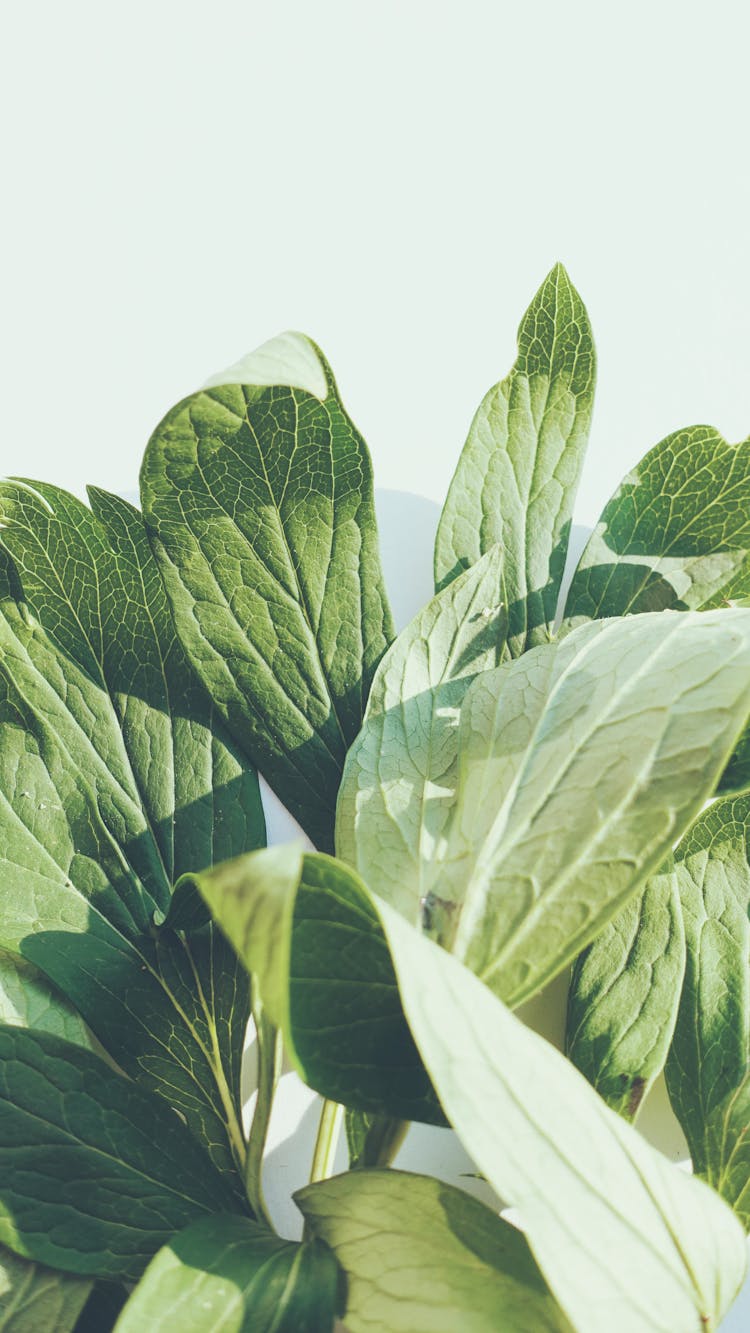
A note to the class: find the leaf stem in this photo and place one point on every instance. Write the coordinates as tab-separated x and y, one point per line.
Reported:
331	1118
268	1046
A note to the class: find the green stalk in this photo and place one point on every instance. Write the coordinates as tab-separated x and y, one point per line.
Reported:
268	1045
331	1117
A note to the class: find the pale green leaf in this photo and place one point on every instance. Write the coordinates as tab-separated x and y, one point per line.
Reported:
708	1071
579	767
626	1241
28	1000
229	1274
423	1257
400	775
518	473
35	1299
115	775
624	995
258	497
95	1174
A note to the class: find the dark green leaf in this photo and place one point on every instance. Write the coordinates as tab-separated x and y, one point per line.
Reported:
518	473
95	1175
116	776
28	1000
258	497
306	928
708	1071
624	995
228	1273
675	535
423	1257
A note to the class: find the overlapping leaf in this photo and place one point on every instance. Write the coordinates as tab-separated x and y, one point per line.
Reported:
624	995
258	496
305	927
579	766
535	1128
626	1241
228	1273
95	1175
34	1299
400	776
708	1071
115	776
423	1257
518	473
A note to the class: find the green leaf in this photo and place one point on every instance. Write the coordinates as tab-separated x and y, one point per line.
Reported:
305	927
95	1175
675	535
579	767
28	1000
258	497
626	1241
708	1070
400	775
624	995
423	1257
116	775
34	1299
518	473
228	1273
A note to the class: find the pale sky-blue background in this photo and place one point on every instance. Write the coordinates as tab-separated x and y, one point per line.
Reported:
182	180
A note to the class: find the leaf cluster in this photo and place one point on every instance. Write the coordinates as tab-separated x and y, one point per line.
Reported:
524	779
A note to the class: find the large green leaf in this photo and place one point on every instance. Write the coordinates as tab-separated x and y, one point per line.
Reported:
626	1241
230	1274
518	473
34	1299
258	496
675	535
116	776
708	1071
423	1257
579	766
95	1175
305	927
624	995
400	775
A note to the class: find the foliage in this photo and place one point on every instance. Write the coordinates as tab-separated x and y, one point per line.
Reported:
522	779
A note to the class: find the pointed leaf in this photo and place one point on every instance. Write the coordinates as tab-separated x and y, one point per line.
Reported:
77	1140
306	929
518	473
708	1071
625	1240
259	502
400	775
115	774
228	1273
35	1299
624	995
579	766
675	534
423	1257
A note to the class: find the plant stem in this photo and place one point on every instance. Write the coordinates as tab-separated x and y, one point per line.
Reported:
385	1141
331	1117
268	1045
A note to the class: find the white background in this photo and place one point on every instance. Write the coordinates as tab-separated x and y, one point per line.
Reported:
183	180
